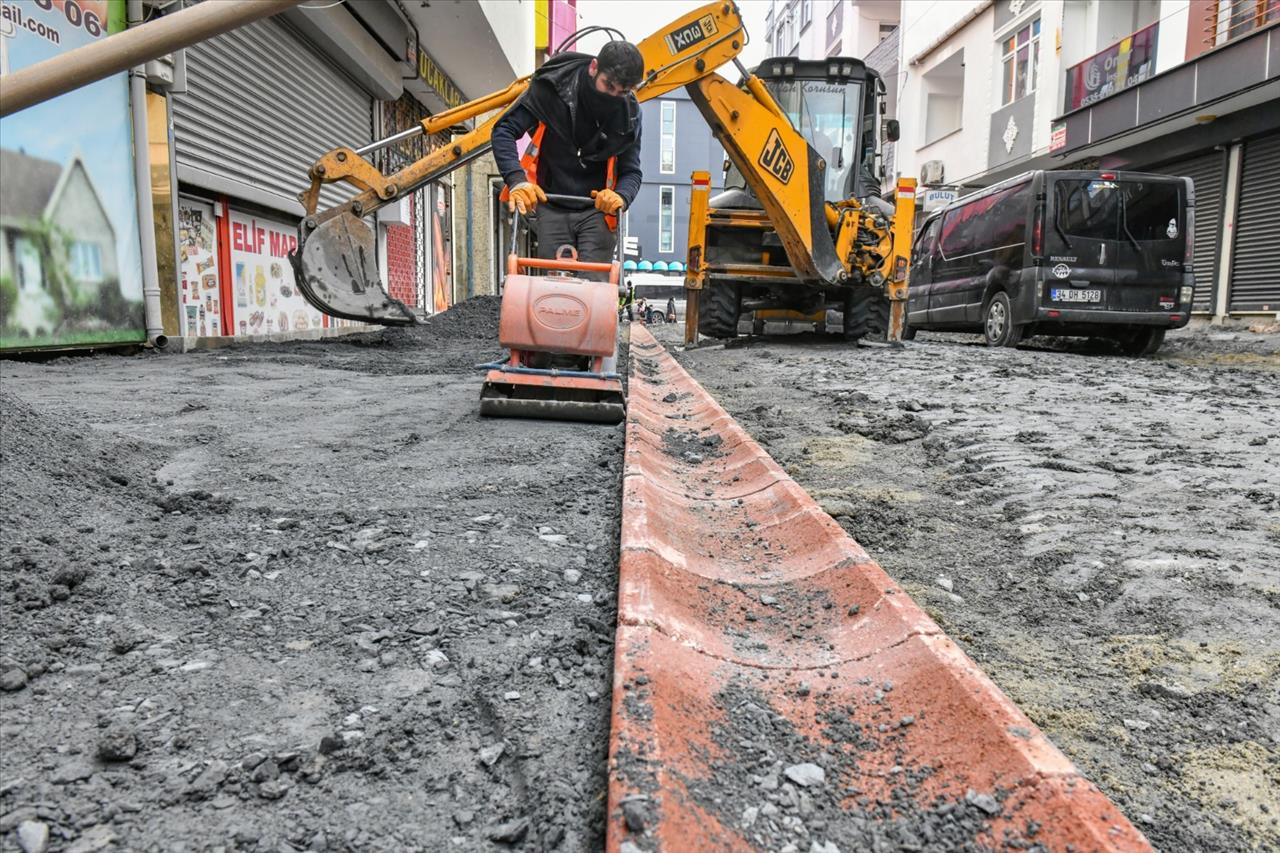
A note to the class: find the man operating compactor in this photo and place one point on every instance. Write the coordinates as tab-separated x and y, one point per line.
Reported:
584	126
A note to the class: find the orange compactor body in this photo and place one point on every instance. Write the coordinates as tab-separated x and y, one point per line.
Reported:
562	332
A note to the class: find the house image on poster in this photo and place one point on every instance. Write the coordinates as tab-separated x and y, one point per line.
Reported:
57	243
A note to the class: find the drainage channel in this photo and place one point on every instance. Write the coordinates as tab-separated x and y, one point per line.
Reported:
774	689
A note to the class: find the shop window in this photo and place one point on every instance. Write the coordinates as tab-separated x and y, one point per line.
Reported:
667	166
1021	62
666	219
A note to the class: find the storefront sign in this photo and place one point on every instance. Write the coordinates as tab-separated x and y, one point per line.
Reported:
1058	137
1126	63
438	80
70	263
934	199
265	298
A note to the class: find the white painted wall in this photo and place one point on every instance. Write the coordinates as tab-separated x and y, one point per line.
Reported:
512	23
963	152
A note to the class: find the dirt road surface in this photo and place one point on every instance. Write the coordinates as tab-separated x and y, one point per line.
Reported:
1101	534
302	596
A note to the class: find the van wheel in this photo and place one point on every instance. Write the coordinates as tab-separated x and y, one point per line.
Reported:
997	322
908	332
757	326
1145	341
718	308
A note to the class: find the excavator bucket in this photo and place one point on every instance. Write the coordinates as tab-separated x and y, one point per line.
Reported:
336	269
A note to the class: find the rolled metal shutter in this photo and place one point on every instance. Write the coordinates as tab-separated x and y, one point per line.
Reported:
261	105
1255	260
1207	172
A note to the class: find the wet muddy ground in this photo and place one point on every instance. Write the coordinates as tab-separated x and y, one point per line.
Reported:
1101	534
302	597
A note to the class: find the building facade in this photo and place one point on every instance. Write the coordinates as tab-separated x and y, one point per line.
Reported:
250	111
1188	87
676	141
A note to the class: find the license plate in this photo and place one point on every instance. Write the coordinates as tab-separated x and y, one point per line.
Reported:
1067	294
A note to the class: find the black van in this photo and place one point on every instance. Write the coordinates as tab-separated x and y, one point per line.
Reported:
1105	254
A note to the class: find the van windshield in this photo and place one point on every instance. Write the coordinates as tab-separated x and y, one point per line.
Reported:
1103	210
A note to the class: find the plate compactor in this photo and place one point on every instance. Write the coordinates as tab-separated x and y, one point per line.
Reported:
562	333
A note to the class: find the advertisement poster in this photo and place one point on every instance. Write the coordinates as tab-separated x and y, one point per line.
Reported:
70	261
441	268
199	299
264	298
1126	63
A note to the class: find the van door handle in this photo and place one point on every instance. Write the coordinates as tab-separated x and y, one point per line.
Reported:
1102	256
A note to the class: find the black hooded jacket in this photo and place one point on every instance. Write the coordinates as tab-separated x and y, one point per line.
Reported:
584	129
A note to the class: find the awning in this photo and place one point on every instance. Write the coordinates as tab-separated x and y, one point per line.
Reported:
644	266
675	266
628	266
660	266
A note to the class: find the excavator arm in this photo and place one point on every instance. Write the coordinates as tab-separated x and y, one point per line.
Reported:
335	263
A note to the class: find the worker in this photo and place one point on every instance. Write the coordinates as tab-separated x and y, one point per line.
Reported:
584	122
671	309
627	301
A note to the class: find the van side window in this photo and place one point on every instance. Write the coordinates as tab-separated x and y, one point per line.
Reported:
990	222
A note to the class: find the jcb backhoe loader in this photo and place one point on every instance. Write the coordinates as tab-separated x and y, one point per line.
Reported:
804	229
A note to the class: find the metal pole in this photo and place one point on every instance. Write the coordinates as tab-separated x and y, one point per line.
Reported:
142	186
111	55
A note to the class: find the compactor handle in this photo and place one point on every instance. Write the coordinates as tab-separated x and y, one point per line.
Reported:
571	200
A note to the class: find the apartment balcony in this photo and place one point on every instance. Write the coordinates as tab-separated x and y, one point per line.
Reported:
1228	20
1122	65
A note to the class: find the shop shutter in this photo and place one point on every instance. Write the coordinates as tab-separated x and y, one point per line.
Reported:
261	105
1255	262
1206	171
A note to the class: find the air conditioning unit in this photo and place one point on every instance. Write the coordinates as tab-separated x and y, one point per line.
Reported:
931	172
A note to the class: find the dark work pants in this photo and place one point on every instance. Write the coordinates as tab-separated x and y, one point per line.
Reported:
585	230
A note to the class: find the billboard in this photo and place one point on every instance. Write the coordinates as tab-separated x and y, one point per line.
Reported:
70	261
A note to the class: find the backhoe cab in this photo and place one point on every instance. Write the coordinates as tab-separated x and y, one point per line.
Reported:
836	105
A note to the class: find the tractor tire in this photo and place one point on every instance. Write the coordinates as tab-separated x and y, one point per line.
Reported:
878	310
866	315
858	315
719	305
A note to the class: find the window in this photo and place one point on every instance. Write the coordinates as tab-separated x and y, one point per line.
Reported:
806	13
667	165
1021	51
86	261
666	219
886	30
944	98
1108	210
994	221
1152	211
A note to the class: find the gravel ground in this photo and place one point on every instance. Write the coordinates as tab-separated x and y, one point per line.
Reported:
1099	533
301	596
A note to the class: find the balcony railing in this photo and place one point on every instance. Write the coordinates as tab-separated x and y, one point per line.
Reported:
1126	63
1227	20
